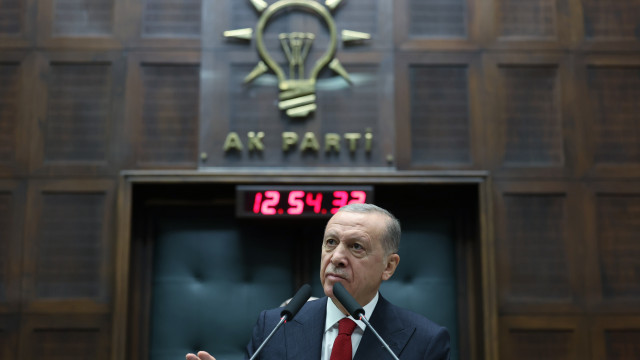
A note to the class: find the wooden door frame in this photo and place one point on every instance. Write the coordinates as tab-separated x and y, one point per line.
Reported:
483	346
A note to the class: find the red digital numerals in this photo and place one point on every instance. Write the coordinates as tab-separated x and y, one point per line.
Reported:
300	202
342	198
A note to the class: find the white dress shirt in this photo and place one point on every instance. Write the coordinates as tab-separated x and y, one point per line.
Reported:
331	327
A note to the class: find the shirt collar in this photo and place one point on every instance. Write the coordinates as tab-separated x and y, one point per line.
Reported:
334	314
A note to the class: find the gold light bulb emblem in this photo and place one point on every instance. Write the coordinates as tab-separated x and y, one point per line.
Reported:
297	92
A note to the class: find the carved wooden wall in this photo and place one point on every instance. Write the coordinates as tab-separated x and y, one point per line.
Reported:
542	93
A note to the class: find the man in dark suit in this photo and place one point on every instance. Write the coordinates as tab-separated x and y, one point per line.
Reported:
359	250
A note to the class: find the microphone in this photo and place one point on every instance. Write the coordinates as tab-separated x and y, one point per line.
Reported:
347	301
289	311
355	310
299	299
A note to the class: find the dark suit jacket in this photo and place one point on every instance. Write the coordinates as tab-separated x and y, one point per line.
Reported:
409	335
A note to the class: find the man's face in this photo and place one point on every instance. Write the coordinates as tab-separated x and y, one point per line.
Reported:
352	254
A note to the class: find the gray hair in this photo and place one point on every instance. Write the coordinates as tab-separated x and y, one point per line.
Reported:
391	237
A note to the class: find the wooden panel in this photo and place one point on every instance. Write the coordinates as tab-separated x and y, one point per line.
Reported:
66	344
614	116
533	134
12	198
437	19
531	113
80	24
10	92
169	122
78	18
68	245
9	333
11	18
611	212
342	108
158	133
65	337
540	344
618	222
16	100
436	24
615	337
16	24
437	114
171	18
611	19
440	131
623	344
535	242
530	24
606	25
528	18
74	121
77	113
542	338
536	247
6	237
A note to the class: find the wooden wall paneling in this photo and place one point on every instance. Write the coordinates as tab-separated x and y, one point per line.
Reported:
438	113
175	24
229	105
65	337
610	88
80	24
141	279
15	105
543	337
437	25
473	275
488	258
215	113
68	246
538	247
217	18
367	103
16	23
162	108
122	251
77	97
532	132
609	26
615	337
372	17
12	213
9	335
530	24
612	230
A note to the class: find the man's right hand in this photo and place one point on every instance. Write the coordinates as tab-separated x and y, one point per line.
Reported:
202	355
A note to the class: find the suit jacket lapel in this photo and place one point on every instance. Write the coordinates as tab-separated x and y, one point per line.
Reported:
392	331
303	335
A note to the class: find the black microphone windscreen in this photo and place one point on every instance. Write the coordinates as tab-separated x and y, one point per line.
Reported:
349	303
296	303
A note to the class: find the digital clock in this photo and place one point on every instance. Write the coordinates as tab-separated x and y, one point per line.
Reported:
300	201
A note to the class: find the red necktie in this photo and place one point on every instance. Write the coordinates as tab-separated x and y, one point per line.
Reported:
342	345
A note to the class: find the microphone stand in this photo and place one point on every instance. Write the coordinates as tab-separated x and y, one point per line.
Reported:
282	321
289	311
364	319
354	309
